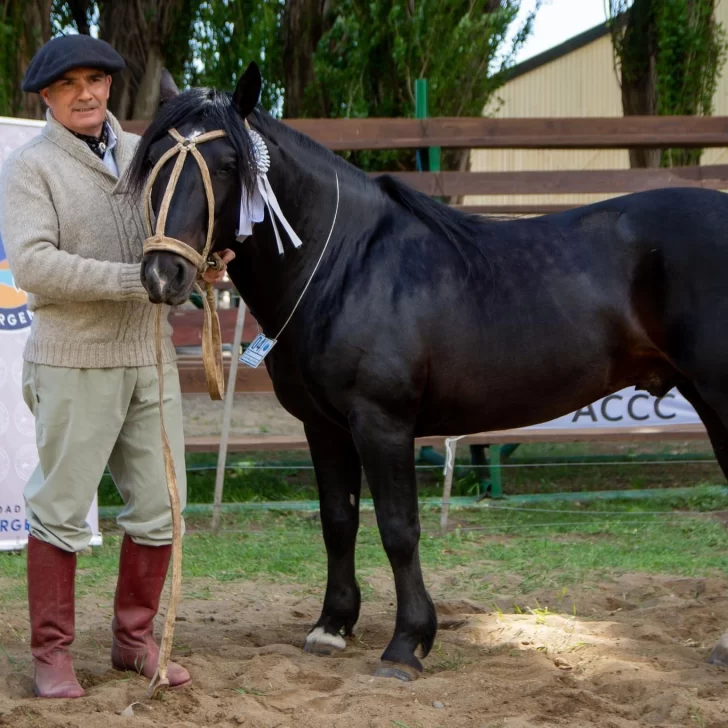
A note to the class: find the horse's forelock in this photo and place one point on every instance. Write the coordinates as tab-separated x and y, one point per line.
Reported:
214	110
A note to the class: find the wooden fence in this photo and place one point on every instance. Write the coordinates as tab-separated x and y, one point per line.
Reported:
566	133
485	133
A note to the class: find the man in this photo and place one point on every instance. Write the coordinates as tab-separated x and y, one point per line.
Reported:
74	243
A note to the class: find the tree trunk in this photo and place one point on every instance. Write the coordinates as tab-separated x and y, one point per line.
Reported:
639	76
639	99
138	31
79	11
147	95
36	23
302	28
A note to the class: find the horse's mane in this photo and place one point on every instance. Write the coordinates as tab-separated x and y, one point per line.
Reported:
441	219
207	103
454	225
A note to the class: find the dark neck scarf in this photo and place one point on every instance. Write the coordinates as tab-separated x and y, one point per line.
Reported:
96	145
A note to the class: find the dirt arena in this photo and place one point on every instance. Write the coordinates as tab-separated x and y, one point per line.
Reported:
622	654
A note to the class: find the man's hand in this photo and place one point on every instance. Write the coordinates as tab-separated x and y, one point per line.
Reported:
213	275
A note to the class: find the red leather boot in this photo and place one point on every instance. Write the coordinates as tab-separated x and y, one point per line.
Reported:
142	571
51	584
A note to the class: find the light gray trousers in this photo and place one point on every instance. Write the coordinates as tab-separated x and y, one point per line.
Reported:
86	418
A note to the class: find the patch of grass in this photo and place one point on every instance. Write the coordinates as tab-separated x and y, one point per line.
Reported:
697	717
551	545
16	664
449	662
293	479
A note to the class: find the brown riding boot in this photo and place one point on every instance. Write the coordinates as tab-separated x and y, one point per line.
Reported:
142	570
51	582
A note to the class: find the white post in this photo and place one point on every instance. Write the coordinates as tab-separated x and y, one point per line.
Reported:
227	415
450	450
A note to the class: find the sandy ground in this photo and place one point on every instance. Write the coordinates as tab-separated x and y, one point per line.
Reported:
252	414
627	653
622	654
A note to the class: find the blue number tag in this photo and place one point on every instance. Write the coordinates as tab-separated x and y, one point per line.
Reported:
257	351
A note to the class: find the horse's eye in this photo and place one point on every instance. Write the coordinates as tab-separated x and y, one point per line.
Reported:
226	170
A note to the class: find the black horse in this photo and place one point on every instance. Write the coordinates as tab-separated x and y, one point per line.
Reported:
423	321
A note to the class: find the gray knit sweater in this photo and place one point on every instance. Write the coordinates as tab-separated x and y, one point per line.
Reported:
74	243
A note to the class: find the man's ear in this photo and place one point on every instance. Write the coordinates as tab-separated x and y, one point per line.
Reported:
247	92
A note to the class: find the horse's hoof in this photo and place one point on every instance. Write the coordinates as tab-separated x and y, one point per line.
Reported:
405	673
719	655
320	642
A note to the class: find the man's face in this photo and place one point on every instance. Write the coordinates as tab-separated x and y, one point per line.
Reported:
78	99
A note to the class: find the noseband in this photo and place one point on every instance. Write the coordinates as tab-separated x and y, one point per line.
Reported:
160	242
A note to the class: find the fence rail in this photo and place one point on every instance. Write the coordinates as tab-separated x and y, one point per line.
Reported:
511	133
485	133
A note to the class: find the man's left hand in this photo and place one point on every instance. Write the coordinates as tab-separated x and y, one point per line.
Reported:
213	275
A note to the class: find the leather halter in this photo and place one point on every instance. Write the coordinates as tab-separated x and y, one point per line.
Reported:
160	242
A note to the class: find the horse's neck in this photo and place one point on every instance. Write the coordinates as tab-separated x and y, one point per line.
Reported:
269	282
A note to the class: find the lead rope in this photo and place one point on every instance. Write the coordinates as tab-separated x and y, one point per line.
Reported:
160	680
211	354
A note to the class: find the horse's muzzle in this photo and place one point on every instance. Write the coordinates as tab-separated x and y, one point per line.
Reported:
167	277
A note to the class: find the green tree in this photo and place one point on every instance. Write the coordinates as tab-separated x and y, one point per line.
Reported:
348	58
24	27
367	63
228	34
669	55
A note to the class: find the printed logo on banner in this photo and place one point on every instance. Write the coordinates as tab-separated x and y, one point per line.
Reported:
14	314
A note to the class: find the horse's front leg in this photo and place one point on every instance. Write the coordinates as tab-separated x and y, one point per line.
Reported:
338	474
386	448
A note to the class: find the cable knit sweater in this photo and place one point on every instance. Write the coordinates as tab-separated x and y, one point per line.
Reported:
74	243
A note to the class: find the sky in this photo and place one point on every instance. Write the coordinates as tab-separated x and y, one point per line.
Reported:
557	21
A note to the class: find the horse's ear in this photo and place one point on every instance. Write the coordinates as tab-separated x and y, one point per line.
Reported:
247	92
167	87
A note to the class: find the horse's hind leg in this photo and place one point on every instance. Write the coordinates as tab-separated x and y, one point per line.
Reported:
712	406
338	474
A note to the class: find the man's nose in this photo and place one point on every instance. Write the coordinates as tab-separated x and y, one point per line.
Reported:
85	91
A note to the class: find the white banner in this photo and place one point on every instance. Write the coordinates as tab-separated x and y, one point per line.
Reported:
628	408
18	454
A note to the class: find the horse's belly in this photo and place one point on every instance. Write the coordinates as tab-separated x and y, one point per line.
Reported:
538	383
499	403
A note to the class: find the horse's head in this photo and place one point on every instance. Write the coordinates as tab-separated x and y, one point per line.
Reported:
186	172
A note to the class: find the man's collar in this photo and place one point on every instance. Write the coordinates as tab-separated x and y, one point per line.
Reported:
59	135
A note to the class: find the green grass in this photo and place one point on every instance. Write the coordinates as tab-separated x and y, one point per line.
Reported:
544	547
290	481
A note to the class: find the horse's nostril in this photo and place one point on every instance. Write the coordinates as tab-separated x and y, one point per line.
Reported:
180	271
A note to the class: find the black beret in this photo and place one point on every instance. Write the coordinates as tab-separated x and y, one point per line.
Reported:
66	52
